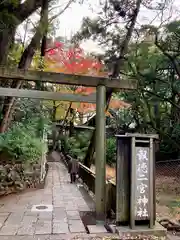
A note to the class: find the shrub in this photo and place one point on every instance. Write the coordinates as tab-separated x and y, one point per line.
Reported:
111	151
77	145
21	144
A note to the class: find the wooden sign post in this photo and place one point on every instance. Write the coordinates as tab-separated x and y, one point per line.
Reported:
135	181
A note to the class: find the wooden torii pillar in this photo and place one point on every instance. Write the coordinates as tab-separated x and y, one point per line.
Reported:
100	149
101	83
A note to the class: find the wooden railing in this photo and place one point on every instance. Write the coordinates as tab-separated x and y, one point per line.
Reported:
87	177
111	197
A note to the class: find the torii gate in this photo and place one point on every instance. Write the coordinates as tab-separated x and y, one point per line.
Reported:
101	83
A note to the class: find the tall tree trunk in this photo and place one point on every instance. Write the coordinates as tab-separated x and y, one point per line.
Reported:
71	124
18	12
90	152
6	39
54	110
117	67
24	63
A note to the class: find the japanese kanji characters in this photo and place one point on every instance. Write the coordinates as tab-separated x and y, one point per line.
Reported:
142	169
142	172
142	155
142	200
142	187
142	212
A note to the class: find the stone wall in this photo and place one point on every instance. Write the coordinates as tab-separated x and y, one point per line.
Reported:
18	177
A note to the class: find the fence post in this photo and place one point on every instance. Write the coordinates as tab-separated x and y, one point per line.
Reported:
108	198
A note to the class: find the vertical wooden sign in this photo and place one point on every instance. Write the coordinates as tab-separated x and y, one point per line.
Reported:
142	183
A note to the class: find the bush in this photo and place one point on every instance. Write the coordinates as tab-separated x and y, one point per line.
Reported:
77	145
21	144
111	151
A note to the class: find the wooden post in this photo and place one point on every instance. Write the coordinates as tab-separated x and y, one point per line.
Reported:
137	192
151	184
100	183
123	180
133	181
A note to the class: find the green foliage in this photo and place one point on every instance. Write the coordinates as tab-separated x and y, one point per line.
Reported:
111	151
21	144
34	114
64	144
77	145
155	104
123	120
15	55
153	60
7	19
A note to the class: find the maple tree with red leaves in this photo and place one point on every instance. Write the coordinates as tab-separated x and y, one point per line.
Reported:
72	59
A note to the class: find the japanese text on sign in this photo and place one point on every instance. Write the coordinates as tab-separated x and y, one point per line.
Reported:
142	182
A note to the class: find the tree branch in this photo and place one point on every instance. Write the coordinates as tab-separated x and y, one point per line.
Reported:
163	99
61	11
24	63
116	69
171	58
27	8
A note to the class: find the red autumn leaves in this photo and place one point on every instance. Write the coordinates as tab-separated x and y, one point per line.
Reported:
65	58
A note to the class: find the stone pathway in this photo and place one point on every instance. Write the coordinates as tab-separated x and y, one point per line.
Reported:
18	222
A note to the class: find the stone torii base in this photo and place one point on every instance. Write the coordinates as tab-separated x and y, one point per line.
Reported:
144	231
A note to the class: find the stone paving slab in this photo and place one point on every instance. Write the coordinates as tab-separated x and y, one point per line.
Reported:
9	230
17	221
76	226
61	237
73	215
26	230
60	227
43	227
96	229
